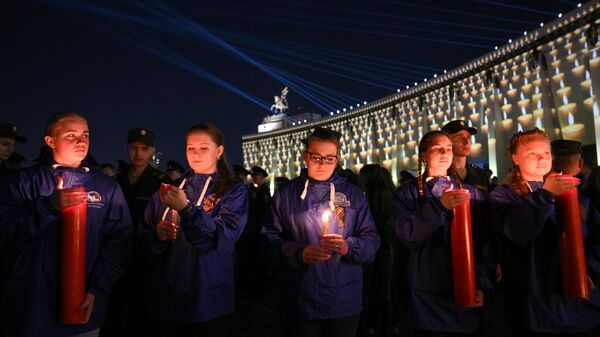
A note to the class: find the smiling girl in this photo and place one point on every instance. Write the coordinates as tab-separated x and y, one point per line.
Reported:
423	215
190	252
524	214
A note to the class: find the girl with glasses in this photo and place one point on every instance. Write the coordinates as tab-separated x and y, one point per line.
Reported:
319	235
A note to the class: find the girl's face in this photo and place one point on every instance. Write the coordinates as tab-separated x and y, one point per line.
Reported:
69	141
320	158
202	152
438	156
534	158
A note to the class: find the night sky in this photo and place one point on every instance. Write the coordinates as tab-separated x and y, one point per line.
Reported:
167	66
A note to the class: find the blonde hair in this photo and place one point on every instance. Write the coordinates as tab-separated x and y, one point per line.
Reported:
517	181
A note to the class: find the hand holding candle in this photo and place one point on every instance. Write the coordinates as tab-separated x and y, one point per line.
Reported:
173	197
558	183
334	243
166	230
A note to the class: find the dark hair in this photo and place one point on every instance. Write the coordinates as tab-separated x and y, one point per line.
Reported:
424	145
322	137
378	186
56	117
517	182
225	176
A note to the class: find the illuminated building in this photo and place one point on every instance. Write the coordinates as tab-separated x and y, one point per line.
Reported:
548	78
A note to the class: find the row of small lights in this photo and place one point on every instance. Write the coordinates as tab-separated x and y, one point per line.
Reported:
331	113
495	48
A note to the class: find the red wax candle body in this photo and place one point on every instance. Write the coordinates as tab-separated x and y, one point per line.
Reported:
572	257
72	261
463	263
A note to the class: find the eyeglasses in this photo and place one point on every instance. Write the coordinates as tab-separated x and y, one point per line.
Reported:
327	160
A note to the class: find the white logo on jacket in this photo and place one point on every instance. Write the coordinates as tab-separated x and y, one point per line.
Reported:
94	199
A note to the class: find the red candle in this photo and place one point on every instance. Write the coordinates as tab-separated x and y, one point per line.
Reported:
463	263
572	257
72	258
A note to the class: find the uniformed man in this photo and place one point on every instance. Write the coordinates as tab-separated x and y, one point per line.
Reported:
242	173
9	159
175	172
460	134
566	156
138	180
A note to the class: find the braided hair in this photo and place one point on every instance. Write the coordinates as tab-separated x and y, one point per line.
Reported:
424	145
517	182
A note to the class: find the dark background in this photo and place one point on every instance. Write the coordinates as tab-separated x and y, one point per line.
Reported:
87	57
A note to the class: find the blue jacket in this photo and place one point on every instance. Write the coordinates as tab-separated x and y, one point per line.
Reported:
330	289
530	262
191	277
423	226
30	241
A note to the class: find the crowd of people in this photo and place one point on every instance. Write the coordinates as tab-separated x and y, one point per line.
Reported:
348	254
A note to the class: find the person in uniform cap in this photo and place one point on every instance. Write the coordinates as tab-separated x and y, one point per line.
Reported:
242	173
9	160
175	171
566	156
460	134
260	201
139	180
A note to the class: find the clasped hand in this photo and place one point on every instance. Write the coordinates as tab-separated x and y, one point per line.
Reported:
173	197
68	197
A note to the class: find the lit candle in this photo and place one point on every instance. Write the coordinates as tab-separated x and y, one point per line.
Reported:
325	222
573	131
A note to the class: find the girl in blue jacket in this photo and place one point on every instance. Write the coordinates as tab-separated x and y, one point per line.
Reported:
189	241
30	208
319	235
525	216
423	215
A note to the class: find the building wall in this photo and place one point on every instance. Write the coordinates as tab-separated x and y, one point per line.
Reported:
548	79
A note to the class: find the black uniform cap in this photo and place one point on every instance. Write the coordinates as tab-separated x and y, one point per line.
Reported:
458	125
141	135
10	130
174	166
563	147
240	170
257	170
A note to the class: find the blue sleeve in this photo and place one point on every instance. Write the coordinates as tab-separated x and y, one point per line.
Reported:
25	215
150	245
414	221
520	219
204	231
276	246
114	251
365	241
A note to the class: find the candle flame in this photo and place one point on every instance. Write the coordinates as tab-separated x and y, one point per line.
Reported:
565	100
570	119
